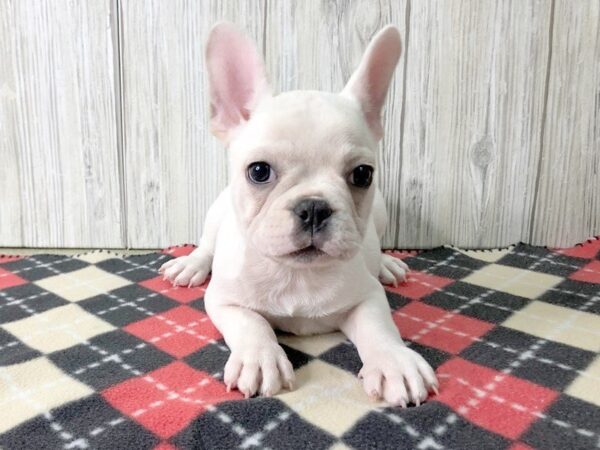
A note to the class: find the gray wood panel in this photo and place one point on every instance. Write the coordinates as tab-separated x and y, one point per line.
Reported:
492	127
567	207
475	83
464	120
174	167
59	177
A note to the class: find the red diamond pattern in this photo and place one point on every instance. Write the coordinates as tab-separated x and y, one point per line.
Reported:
439	328
420	284
589	273
178	293
8	279
181	250
520	446
179	331
9	258
402	254
588	250
493	400
166	400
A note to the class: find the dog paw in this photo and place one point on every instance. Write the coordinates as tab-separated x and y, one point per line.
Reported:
392	270
190	270
259	369
399	376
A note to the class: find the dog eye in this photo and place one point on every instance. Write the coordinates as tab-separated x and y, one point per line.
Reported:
362	176
260	172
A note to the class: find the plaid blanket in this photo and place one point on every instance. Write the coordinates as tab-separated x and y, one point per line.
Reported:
96	351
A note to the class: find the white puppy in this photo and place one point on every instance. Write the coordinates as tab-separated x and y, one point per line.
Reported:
294	241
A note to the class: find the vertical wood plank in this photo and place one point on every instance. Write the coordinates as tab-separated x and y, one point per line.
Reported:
174	167
11	231
567	209
59	173
475	83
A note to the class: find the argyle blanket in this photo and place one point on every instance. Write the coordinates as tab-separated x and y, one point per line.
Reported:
97	351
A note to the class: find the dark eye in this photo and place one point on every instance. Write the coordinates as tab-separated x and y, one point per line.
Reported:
362	176
260	173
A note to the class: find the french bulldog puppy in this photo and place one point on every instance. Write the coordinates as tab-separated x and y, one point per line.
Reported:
293	242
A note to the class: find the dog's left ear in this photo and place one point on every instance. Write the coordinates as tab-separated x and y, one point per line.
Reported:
237	79
369	83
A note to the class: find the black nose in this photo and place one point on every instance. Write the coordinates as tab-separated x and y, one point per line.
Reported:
313	214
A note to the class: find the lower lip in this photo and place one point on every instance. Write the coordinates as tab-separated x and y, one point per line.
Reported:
307	254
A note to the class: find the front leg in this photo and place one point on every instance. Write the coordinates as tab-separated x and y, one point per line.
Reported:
257	362
390	370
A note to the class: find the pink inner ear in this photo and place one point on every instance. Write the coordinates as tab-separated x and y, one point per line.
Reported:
236	76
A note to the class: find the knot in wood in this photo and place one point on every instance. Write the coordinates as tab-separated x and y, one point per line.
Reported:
482	152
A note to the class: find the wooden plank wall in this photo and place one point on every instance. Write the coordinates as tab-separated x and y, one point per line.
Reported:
492	124
60	184
567	205
174	167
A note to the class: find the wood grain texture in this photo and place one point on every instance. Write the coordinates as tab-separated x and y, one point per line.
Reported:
174	167
568	199
59	176
475	82
492	126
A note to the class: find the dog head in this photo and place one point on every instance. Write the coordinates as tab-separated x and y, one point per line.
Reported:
302	163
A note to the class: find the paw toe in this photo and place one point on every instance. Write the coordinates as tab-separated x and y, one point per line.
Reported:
248	381
287	372
186	270
232	371
271	380
372	383
392	270
395	392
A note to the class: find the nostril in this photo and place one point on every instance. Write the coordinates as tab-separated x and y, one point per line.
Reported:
322	213
304	210
313	213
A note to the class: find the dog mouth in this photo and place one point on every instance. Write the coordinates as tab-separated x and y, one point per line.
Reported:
307	254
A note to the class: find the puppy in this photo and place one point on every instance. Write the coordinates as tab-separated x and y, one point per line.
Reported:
293	242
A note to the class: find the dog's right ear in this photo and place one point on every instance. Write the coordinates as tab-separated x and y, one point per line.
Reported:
369	83
237	79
